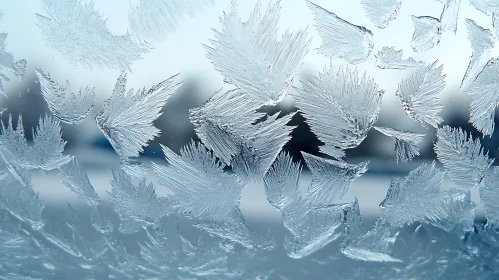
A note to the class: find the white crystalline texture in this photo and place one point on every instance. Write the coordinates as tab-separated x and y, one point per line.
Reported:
201	188
484	93
340	108
381	12
340	38
419	94
127	118
406	143
449	16
462	156
153	20
482	42
79	33
281	182
427	33
489	195
251	57
486	6
134	169
68	106
75	178
389	58
9	65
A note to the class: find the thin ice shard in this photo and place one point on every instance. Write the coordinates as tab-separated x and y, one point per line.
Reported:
340	108
419	94
340	38
462	156
381	12
281	182
76	179
489	195
79	33
68	106
251	57
406	143
389	58
9	65
449	16
127	118
427	33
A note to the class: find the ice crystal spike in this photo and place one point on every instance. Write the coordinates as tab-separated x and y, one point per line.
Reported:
381	12
427	33
419	94
484	93
153	20
127	118
255	60
449	16
201	188
482	42
76	179
79	33
406	143
462	156
66	105
340	38
389	58
9	65
138	206
281	181
330	178
340	108
489	195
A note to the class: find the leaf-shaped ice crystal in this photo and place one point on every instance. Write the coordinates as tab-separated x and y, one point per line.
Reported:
127	118
340	38
389	58
249	55
9	65
340	108
75	178
449	16
489	195
462	156
427	33
406	143
281	182
68	106
381	12
419	94
79	33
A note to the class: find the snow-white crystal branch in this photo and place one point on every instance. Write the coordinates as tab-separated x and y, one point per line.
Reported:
427	33
406	143
381	12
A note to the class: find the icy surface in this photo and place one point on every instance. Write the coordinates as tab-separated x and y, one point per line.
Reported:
449	16
381	12
406	143
389	58
9	65
489	195
427	33
76	179
486	6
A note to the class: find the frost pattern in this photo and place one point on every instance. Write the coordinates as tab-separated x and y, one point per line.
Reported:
255	60
419	94
485	6
79	33
67	106
406	143
76	179
340	108
9	65
341	39
389	58
489	195
427	33
462	156
449	16
381	12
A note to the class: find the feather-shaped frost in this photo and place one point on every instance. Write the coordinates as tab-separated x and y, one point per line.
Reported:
427	33
340	108
340	38
76	179
68	106
281	182
389	58
485	6
201	188
449	16
127	118
133	168
462	156
381	12
9	65
406	143
489	195
79	33
419	94
251	57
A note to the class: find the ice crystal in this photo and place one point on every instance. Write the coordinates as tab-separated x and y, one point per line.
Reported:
486	6
281	181
340	38
66	105
381	12
427	33
462	156
340	108
406	143
9	65
133	168
489	194
419	94
449	16
389	58
76	179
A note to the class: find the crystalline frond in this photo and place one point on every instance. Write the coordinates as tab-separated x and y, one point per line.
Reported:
449	16
340	108
485	6
127	118
489	195
76	179
381	12
330	179
389	58
133	168
201	188
462	156
164	245
427	33
68	106
484	93
419	94
340	38
79	33
8	64
250	56
138	206
153	20
281	181
406	143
